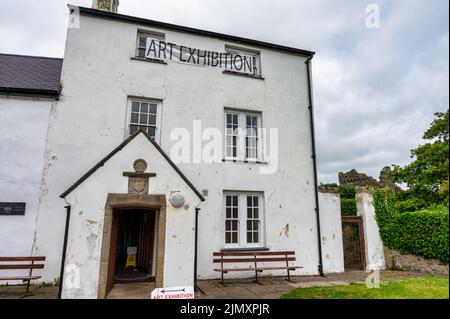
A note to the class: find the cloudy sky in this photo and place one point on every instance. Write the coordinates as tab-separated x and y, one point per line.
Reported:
375	89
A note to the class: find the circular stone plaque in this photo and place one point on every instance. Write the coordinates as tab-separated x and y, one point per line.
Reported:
140	165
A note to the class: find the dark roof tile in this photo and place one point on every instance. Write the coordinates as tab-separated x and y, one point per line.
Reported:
29	73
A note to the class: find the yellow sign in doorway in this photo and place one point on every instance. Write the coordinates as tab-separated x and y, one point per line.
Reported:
131	257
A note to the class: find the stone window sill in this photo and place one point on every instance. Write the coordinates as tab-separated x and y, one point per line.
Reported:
245	249
225	160
251	76
148	60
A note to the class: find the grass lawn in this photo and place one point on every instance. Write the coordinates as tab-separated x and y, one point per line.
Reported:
416	288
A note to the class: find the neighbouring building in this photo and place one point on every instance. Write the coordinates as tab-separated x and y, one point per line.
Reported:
29	89
136	92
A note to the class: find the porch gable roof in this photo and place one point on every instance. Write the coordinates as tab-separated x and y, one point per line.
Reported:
119	148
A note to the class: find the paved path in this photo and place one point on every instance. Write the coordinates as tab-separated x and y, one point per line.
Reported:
271	288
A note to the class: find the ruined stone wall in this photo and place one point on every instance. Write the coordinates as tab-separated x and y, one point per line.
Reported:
395	260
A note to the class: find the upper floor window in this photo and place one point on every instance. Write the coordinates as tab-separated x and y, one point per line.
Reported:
141	41
242	135
244	60
244	219
144	114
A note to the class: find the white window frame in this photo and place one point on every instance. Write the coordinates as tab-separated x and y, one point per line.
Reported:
242	220
148	34
158	115
241	154
249	52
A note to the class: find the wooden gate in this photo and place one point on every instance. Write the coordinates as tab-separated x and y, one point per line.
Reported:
354	245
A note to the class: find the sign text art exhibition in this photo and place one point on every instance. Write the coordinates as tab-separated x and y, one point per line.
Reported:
232	61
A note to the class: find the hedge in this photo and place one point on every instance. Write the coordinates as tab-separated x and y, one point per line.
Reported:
347	192
421	233
348	207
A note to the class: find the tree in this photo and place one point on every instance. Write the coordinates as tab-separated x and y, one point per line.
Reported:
427	175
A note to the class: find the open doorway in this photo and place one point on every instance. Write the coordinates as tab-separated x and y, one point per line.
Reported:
133	233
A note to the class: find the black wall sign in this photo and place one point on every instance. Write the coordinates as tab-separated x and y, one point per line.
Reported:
12	208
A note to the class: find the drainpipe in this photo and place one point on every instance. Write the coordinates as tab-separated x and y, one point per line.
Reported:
63	259
196	289
313	144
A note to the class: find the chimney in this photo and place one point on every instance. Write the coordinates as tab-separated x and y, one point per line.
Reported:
106	5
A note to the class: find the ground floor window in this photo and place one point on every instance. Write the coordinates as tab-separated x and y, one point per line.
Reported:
244	219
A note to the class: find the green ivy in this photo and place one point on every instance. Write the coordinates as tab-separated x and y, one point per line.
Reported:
348	207
423	233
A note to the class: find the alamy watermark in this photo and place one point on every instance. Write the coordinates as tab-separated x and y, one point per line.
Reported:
209	145
373	16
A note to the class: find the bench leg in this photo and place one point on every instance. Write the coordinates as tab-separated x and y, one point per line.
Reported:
288	276
221	281
256	278
28	287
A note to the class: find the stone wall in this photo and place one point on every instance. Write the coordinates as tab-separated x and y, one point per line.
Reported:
395	260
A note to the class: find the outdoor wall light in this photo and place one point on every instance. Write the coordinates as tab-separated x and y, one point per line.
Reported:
177	199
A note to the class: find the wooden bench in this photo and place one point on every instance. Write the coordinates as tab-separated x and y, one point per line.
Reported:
255	258
18	263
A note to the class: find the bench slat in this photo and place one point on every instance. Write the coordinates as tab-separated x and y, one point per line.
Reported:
30	258
23	266
253	253
20	277
249	260
259	268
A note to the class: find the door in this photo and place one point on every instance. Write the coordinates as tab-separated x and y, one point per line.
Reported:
353	241
112	253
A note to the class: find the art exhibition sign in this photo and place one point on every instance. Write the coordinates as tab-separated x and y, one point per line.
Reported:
232	61
186	292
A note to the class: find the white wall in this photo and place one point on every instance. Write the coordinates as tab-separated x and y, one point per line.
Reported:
89	121
23	130
87	219
374	245
331	232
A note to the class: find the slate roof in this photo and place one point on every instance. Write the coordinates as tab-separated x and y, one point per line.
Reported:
30	75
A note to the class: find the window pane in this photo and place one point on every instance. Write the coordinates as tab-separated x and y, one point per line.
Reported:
133	129
235	213
255	201
153	108
255	237
249	201
135	106
134	117
141	53
235	200
255	212
144	107
143	119
227	225
152	119
228	238
142	41
249	237
151	130
234	238
228	212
